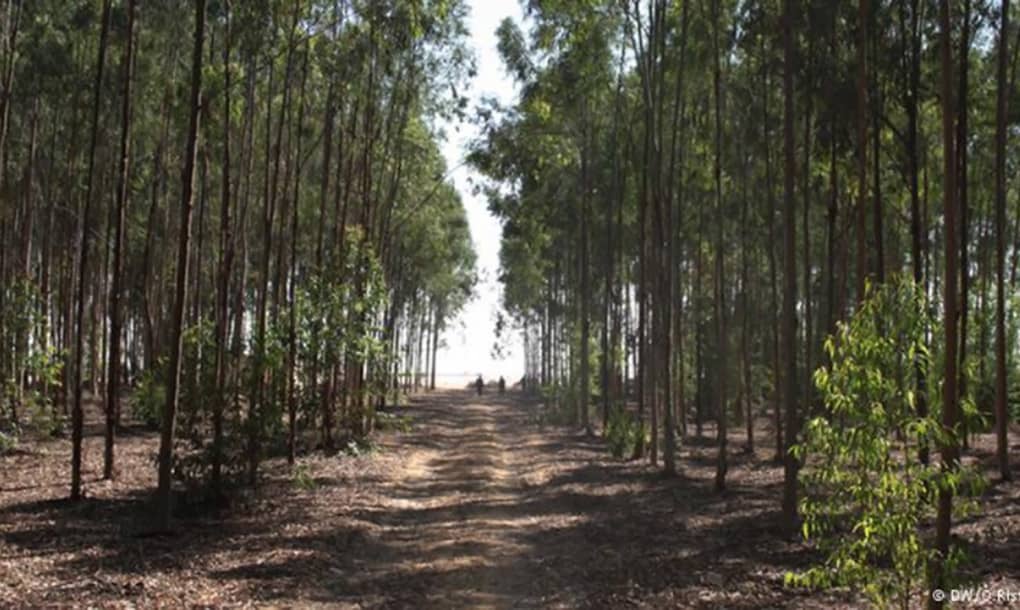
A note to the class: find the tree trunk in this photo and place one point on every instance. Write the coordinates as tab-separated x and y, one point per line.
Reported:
84	238
962	135
123	176
876	112
789	325
773	275
166	441
437	323
862	147
1002	100
722	341
291	380
950	405
225	268
745	305
917	227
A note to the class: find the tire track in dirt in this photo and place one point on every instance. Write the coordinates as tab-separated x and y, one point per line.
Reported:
457	537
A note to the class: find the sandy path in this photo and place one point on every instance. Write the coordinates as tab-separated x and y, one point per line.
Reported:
461	523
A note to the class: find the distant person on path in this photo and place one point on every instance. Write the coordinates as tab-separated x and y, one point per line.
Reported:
479	385
502	385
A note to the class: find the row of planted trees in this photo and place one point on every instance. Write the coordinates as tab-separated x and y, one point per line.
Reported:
244	234
695	195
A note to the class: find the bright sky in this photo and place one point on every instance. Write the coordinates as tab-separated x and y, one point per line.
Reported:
469	340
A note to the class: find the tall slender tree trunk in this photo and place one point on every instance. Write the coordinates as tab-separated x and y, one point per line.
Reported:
1002	101
677	181
11	23
291	381
123	177
641	366
584	269
84	238
962	168
166	441
699	333
745	306
608	343
272	171
789	326
773	277
832	211
862	146
225	267
437	324
671	306
68	280
22	339
807	196
150	273
722	340
917	227
9	42
950	399
876	111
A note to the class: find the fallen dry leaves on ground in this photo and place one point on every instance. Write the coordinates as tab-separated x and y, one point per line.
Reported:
477	506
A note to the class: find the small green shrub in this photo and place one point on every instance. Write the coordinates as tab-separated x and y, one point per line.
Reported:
34	403
391	421
41	414
9	440
303	478
360	446
555	414
624	433
867	496
149	398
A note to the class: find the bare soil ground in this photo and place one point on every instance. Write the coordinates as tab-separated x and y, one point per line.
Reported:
477	506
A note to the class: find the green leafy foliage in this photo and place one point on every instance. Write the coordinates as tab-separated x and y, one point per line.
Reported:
303	478
555	409
45	367
392	421
148	399
336	319
356	447
624	433
9	439
268	361
29	368
198	383
867	494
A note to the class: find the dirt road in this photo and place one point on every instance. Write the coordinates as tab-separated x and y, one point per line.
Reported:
476	506
492	510
472	519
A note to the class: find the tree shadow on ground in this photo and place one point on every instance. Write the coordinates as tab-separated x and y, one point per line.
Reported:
478	506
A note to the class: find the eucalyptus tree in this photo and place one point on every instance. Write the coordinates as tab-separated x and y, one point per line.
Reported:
789	322
119	230
950	397
164	498
84	241
558	175
1001	111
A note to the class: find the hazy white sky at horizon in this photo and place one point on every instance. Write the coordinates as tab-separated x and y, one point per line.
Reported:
470	338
